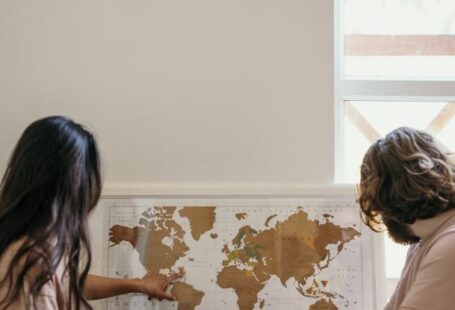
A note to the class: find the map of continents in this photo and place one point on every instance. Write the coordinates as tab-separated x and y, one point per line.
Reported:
294	248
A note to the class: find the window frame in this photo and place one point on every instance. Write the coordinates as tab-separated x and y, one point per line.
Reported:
371	89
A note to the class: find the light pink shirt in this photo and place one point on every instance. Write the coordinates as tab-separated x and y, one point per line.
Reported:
428	278
51	296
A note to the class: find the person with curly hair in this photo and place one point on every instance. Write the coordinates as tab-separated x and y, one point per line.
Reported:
407	187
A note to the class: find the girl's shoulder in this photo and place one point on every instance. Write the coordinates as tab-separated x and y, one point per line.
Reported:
51	295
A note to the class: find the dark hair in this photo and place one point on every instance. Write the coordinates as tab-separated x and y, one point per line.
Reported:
405	177
51	184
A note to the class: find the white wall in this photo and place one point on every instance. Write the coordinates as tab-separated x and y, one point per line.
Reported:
179	93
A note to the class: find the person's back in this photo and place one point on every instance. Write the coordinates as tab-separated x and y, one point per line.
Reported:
51	295
51	184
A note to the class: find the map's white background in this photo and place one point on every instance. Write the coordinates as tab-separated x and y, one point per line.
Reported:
351	274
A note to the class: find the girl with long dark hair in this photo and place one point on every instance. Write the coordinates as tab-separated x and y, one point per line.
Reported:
51	184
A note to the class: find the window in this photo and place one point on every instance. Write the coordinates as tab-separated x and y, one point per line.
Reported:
404	38
366	121
394	66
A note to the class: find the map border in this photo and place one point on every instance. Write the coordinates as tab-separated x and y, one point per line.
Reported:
373	293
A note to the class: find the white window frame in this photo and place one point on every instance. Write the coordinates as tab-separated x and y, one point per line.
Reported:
368	89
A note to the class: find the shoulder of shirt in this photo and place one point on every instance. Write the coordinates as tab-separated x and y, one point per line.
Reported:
11	251
442	245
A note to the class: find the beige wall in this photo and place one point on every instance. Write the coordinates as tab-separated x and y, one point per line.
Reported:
179	93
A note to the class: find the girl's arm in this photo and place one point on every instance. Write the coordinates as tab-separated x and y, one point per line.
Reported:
153	285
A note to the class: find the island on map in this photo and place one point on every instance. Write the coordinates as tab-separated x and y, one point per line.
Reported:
201	219
241	216
271	217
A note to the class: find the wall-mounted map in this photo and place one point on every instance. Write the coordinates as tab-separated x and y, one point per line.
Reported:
242	253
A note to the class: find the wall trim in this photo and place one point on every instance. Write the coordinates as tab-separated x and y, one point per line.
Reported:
228	189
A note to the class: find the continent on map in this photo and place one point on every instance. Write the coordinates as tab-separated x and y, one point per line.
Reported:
292	249
201	219
244	284
158	239
241	216
323	305
187	296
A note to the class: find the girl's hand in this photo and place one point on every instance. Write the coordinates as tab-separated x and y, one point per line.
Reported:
155	285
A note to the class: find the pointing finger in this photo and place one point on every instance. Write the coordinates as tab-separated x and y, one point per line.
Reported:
163	295
174	276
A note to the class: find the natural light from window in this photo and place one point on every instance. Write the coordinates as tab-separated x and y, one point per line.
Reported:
395	63
399	38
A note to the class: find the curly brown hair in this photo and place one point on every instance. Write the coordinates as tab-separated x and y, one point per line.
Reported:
405	177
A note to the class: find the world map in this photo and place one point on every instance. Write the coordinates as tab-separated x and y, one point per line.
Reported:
294	256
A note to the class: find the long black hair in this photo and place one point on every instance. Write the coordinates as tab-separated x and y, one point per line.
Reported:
51	184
